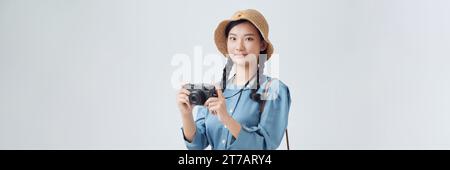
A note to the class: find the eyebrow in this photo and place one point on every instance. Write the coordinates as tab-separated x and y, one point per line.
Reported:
250	34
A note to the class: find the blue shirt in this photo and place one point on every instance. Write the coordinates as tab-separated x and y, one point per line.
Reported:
258	130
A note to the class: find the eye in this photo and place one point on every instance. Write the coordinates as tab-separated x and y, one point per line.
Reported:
249	39
232	38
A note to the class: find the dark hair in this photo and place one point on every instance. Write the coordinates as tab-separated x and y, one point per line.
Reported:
260	66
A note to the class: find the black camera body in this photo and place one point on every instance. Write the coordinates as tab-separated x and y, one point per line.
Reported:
200	93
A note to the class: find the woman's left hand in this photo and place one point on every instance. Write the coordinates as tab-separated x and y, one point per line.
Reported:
217	106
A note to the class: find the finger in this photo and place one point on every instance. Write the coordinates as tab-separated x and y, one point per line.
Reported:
184	101
219	91
210	105
213	107
182	95
184	91
211	99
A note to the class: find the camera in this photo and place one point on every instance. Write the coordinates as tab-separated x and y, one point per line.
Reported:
200	93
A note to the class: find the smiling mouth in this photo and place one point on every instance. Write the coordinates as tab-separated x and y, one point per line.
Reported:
240	55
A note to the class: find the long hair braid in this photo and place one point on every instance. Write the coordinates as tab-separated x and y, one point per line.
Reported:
260	73
226	72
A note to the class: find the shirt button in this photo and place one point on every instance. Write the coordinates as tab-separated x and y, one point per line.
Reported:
225	126
223	141
231	110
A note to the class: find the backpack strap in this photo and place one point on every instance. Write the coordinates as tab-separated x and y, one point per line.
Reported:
263	103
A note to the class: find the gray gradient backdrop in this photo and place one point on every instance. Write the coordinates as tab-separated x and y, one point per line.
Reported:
95	74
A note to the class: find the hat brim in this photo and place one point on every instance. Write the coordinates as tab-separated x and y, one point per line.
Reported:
221	39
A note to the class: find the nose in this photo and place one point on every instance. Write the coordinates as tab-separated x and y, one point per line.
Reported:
239	46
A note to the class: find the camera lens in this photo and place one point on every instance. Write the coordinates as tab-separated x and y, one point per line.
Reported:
193	99
197	97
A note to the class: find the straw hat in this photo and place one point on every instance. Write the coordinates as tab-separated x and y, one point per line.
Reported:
251	15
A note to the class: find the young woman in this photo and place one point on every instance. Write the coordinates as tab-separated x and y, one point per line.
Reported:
251	111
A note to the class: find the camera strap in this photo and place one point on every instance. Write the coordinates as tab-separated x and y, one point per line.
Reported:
242	89
240	94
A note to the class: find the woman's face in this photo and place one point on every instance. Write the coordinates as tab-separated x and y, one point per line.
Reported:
244	44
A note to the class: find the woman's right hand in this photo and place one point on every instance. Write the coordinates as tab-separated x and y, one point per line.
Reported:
183	102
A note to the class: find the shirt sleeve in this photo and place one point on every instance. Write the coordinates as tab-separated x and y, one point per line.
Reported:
199	141
270	130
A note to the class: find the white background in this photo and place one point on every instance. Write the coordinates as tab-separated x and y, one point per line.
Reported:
96	74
